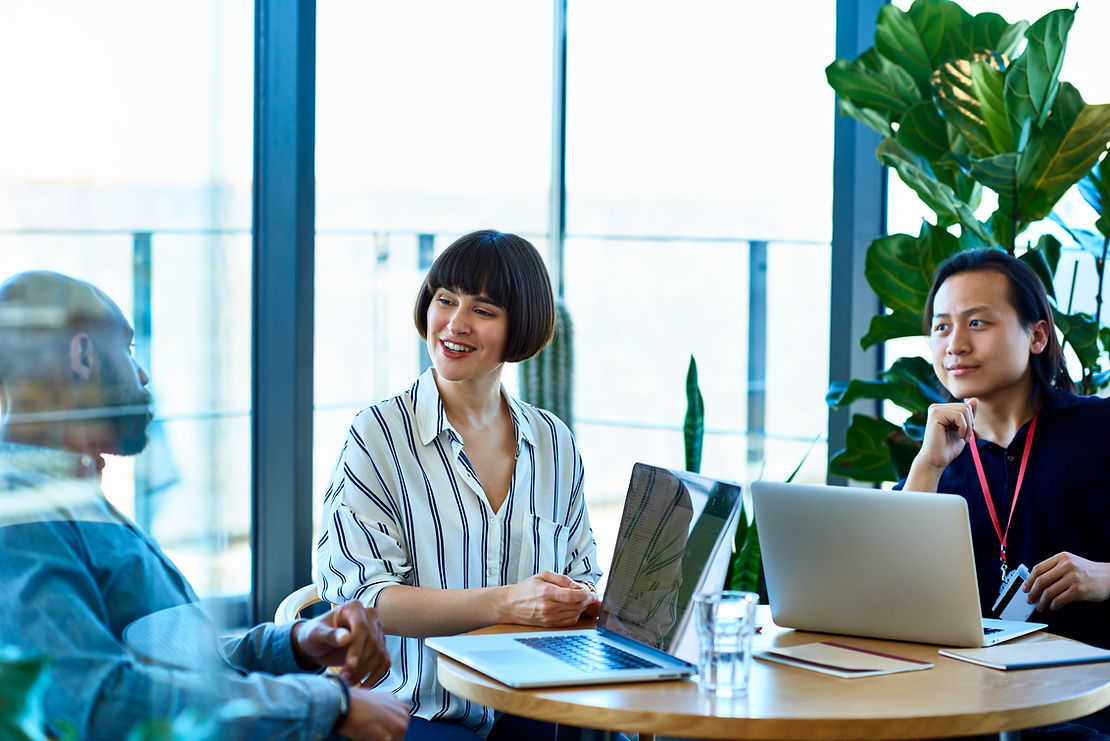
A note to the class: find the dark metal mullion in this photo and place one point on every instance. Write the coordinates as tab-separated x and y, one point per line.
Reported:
859	216
283	300
557	209
757	353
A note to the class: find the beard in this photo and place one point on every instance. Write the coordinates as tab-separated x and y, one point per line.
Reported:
126	407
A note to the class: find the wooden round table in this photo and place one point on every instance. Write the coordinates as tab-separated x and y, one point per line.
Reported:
954	698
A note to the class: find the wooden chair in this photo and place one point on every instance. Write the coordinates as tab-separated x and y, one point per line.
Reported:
291	607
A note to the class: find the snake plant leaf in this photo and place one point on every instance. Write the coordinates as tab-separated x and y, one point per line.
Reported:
1044	258
1095	189
23	682
1081	333
899	268
880	122
865	456
916	173
693	429
1073	139
968	93
747	566
897	39
1033	80
872	81
883	327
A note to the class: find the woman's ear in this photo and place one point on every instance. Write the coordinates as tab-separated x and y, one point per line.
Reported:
81	356
1038	339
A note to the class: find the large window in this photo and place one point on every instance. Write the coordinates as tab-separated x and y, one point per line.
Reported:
433	120
125	160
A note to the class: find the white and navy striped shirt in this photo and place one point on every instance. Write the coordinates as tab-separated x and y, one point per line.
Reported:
404	507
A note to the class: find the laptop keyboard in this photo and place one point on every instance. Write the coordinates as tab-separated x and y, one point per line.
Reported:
587	653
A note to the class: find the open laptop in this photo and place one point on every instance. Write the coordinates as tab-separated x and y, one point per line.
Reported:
868	562
673	542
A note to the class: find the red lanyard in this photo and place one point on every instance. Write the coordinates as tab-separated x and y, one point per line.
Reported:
1017	490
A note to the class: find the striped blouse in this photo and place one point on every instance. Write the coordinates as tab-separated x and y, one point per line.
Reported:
404	507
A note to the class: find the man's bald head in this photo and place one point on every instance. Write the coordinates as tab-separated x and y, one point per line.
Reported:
39	312
66	369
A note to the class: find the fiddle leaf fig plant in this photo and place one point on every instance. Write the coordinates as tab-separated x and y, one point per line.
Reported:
965	102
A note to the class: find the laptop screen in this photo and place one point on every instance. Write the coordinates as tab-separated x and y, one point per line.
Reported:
671	545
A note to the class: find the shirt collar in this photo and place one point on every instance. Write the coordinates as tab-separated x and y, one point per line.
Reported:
431	420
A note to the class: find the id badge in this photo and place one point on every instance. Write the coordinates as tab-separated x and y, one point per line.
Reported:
1012	603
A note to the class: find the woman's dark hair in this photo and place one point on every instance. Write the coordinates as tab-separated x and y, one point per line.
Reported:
508	270
1026	295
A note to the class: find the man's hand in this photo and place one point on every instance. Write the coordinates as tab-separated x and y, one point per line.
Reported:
375	715
348	637
1066	578
548	600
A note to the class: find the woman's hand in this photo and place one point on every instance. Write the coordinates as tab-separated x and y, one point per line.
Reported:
947	431
548	600
1066	578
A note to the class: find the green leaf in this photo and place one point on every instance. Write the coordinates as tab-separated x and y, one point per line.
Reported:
747	567
1104	337
1081	333
23	682
1095	189
1043	259
955	93
916	173
910	383
872	81
986	83
903	449
936	21
896	38
892	326
880	122
865	456
1073	139
999	173
693	429
924	131
900	268
1032	81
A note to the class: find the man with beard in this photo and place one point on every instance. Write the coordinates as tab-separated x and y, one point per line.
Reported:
123	628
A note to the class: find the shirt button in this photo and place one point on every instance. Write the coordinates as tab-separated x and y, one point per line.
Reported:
1010	458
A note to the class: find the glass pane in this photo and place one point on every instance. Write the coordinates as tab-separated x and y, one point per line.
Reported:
129	167
681	151
433	120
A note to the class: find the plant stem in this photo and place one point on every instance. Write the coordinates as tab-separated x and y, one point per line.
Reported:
1100	264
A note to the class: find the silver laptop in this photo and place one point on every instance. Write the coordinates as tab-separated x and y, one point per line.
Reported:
868	562
674	541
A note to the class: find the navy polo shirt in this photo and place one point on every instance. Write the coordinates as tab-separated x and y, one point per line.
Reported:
1064	503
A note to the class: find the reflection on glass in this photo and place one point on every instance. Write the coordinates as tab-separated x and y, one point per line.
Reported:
671	545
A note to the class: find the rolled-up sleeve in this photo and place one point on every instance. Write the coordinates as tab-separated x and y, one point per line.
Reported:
582	552
360	550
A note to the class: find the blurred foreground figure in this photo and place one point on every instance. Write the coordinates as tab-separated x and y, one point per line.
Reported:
128	639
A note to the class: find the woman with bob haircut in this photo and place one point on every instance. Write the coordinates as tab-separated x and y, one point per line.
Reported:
453	505
1017	443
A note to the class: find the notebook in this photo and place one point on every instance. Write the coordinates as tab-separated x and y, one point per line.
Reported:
673	542
875	563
